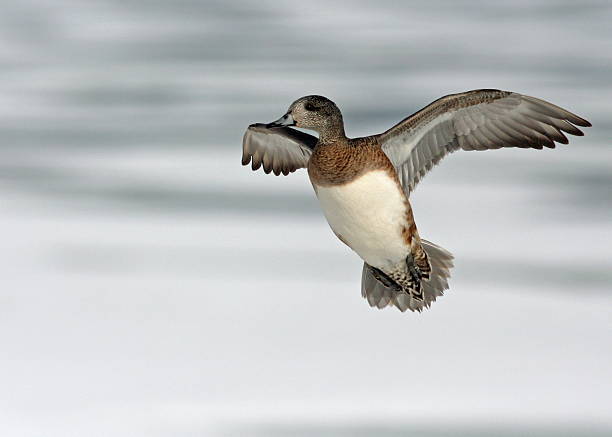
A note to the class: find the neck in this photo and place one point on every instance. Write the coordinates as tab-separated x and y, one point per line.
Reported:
332	134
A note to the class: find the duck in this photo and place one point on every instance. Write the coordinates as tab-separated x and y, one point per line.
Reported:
364	184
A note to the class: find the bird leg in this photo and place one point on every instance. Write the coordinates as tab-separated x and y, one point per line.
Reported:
384	279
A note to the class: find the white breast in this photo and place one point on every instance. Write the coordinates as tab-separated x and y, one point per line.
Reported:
368	214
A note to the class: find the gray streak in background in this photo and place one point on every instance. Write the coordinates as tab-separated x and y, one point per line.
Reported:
412	431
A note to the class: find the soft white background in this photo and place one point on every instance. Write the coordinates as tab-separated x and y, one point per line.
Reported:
151	286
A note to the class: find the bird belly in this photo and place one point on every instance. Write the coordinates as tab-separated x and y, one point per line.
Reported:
368	214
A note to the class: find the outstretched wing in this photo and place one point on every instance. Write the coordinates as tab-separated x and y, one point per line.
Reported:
475	120
279	150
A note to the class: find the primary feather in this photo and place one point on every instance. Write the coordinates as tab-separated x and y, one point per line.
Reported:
475	120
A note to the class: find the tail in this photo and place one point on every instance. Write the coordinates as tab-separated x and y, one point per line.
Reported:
380	295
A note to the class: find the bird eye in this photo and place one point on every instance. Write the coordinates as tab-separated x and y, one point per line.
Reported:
310	107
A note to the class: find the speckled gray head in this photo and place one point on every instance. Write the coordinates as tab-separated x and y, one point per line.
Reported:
311	112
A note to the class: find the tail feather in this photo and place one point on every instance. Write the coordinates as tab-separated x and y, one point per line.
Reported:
380	296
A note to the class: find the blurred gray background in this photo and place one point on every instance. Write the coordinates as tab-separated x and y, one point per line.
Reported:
151	286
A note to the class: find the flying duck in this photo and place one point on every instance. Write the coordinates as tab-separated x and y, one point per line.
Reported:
363	184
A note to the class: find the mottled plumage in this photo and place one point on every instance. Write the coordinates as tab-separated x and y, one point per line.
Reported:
363	184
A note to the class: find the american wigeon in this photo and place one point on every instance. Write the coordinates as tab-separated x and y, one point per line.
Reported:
363	184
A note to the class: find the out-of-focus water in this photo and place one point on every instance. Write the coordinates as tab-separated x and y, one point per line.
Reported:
153	286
